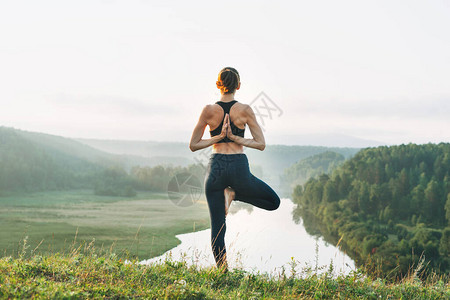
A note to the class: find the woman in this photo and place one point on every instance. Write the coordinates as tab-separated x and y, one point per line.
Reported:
228	176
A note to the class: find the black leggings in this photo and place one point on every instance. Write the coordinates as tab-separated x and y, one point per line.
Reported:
232	170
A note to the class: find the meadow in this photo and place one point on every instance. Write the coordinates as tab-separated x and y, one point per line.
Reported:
140	227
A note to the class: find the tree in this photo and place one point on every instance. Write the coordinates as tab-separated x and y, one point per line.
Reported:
444	245
329	192
364	197
447	209
432	197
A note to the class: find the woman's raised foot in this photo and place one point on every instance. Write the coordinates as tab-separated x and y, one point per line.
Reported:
229	197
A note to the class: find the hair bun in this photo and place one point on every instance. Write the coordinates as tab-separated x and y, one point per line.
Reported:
228	80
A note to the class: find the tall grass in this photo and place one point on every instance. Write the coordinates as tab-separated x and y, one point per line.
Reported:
84	271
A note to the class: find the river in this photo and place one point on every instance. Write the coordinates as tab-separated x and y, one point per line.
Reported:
263	241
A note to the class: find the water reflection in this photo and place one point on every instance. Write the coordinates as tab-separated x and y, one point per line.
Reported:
262	241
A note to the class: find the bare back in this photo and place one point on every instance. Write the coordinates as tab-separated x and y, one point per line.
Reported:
238	115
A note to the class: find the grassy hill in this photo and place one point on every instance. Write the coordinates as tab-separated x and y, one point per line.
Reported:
82	274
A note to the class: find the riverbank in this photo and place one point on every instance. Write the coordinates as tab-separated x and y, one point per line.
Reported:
82	274
138	227
261	241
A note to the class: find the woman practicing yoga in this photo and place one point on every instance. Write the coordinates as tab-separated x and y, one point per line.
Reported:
228	176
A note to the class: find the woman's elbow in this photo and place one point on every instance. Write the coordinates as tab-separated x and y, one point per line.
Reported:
192	147
262	146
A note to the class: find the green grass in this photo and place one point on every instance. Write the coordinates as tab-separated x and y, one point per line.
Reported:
84	273
143	226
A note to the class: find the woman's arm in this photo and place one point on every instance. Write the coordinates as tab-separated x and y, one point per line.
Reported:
197	142
258	141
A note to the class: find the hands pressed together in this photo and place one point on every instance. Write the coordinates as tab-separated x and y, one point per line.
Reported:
226	129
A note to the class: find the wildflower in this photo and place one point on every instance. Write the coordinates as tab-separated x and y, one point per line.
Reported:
181	282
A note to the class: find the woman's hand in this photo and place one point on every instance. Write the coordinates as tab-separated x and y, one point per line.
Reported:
230	134
258	141
225	126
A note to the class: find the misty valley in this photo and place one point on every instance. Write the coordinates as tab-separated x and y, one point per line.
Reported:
387	208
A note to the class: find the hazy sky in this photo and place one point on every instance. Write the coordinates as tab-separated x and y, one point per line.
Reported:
377	70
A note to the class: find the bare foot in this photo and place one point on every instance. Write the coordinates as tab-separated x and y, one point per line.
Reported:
229	196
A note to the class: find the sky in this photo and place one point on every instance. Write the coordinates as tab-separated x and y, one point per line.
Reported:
143	70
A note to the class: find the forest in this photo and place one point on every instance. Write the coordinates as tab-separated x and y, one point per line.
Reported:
388	207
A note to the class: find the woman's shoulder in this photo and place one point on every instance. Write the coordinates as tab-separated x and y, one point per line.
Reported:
210	109
244	108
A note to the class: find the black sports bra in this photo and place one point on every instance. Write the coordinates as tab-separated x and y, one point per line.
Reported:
226	106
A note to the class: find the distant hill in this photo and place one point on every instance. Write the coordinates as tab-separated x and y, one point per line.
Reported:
35	161
325	140
312	166
44	161
147	153
140	148
272	161
276	158
57	145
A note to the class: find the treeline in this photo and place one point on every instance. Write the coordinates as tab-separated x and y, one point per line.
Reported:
157	178
312	166
117	182
387	206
